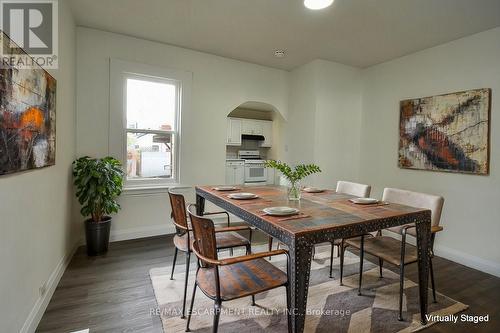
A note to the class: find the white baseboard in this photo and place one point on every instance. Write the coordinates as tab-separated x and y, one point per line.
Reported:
141	232
468	260
42	302
150	231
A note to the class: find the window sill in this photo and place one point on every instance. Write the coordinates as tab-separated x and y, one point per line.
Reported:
151	189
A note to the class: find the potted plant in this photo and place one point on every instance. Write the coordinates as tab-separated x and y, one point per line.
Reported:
98	183
294	176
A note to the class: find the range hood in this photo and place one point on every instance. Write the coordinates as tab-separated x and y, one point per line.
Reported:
253	137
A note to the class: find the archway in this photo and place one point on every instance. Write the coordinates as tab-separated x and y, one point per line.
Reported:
253	126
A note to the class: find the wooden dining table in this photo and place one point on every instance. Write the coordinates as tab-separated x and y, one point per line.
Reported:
323	217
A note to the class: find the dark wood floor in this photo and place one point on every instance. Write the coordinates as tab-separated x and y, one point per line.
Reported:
113	293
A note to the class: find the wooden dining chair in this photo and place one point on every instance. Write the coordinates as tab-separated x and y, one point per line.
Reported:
356	189
232	278
227	238
392	250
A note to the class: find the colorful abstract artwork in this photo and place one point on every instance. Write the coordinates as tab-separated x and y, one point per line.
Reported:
27	118
446	132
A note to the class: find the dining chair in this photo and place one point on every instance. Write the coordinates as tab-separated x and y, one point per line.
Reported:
227	237
356	189
392	250
232	278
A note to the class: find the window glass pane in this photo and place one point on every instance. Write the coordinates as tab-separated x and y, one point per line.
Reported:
149	155
150	105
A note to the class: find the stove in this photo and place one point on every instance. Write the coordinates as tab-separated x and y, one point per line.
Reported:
255	168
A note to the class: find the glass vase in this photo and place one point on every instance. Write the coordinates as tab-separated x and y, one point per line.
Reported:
294	191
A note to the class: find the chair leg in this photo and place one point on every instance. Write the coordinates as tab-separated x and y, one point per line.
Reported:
313	252
331	260
217	309
361	255
188	259
380	265
270	244
402	274
342	250
289	310
253	300
401	288
338	251
432	280
173	264
191	307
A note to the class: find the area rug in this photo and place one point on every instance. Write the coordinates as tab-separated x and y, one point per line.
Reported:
330	307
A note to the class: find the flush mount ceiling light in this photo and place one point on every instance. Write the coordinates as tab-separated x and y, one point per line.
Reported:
317	4
279	53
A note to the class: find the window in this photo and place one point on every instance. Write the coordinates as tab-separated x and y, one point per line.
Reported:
152	112
148	102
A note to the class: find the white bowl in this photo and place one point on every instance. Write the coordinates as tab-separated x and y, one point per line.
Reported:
243	196
225	188
313	190
280	211
364	201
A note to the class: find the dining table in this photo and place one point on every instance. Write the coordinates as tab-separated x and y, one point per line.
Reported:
322	217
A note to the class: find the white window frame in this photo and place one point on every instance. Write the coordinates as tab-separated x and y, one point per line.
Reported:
120	71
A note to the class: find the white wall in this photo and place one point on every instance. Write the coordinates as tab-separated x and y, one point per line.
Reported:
324	120
219	86
37	232
342	118
471	216
338	121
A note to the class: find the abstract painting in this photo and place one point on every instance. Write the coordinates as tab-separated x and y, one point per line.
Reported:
27	118
446	133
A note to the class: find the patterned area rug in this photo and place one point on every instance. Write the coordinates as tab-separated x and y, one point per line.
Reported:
331	307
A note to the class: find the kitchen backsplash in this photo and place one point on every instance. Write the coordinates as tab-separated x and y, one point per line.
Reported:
232	151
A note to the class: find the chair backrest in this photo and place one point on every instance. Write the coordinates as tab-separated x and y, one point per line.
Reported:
178	211
356	189
416	199
203	236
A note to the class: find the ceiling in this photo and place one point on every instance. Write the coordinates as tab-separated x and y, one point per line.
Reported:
359	33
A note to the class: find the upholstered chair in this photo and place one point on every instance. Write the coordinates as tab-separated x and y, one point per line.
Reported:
398	252
357	190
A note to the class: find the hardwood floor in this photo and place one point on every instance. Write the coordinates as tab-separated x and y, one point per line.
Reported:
113	293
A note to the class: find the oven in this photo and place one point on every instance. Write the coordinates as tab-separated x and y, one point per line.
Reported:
255	172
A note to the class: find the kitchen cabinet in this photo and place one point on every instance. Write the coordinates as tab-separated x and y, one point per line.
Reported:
267	132
235	172
233	132
238	126
251	127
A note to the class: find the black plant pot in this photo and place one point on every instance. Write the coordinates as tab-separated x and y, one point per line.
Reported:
97	235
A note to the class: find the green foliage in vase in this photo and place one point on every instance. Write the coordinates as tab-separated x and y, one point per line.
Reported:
98	183
293	174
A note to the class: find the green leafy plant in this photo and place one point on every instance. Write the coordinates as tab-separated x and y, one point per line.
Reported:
98	182
293	175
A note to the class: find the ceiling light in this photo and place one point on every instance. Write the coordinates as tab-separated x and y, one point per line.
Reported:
279	53
317	4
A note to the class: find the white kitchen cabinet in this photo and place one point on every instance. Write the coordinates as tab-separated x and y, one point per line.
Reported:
267	132
251	127
233	132
235	172
238	126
